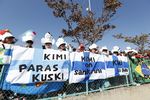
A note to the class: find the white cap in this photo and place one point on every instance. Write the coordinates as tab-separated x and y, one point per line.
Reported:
60	41
6	34
27	38
29	35
48	38
104	48
115	49
48	35
2	32
128	49
135	51
93	46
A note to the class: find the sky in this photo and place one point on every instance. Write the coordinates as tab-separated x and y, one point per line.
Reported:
18	16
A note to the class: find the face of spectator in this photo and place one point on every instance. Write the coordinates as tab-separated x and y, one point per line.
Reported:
48	45
9	40
93	50
116	53
62	47
29	44
122	54
82	49
129	53
105	52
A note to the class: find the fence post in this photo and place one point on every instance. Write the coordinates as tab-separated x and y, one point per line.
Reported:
87	87
127	81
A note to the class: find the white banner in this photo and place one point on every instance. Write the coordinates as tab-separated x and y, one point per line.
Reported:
86	66
30	65
89	66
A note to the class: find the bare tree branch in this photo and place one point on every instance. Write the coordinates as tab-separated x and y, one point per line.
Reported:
83	28
142	41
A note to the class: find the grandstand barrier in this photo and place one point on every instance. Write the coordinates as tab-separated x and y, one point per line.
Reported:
49	74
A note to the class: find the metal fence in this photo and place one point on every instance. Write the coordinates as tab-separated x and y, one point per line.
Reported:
87	87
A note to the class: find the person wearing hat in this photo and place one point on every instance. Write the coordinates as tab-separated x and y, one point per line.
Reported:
81	48
117	79
4	39
7	37
2	32
61	44
1	36
47	41
104	83
115	50
28	38
128	50
93	48
122	53
133	57
104	51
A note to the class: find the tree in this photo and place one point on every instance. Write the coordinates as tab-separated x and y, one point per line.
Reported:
142	41
84	28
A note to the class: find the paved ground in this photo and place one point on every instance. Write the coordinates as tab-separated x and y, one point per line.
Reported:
125	93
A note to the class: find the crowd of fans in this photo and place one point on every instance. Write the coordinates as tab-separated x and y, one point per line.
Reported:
47	41
6	37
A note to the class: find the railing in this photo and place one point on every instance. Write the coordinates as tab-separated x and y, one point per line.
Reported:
100	85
